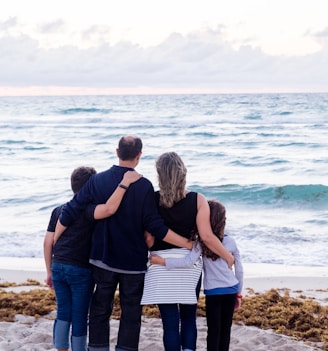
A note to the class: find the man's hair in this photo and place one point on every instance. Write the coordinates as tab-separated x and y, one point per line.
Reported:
129	147
172	174
80	176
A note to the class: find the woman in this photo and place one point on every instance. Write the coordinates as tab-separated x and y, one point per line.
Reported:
222	285
176	291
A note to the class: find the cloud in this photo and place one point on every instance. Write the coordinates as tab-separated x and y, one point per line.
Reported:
323	33
52	27
9	23
200	60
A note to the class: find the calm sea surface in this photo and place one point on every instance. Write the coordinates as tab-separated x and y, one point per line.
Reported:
264	156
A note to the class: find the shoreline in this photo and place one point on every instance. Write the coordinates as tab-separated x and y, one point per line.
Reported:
36	264
257	276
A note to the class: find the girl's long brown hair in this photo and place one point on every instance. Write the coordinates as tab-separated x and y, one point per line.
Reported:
218	221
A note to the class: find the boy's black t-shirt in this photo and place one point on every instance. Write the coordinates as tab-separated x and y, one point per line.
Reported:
73	247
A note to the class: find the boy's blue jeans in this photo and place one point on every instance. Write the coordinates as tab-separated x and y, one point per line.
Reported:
73	287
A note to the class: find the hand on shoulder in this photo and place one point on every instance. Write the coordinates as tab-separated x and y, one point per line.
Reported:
131	177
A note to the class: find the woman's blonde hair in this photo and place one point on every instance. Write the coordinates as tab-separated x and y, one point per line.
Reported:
172	174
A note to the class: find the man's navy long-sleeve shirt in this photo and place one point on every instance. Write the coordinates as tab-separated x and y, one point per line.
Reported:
118	241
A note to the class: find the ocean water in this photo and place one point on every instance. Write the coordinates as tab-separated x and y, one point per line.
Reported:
265	156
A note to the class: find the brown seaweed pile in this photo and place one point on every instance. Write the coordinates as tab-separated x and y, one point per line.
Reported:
300	318
36	302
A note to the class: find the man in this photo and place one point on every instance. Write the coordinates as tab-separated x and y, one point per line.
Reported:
119	253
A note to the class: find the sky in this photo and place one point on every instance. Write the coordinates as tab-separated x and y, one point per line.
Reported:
152	46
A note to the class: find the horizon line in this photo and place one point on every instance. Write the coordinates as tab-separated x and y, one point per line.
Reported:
31	91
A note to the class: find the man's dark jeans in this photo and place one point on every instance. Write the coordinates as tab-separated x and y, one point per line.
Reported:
130	290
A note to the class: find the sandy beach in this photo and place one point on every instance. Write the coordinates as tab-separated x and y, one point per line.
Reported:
30	334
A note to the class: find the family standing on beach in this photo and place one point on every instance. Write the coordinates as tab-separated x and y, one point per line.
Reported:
106	238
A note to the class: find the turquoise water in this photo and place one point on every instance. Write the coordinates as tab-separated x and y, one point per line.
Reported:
263	156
